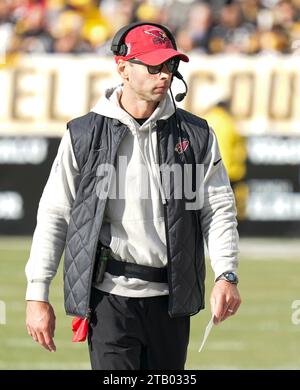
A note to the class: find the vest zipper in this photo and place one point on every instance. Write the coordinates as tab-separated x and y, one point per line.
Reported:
88	313
198	274
165	208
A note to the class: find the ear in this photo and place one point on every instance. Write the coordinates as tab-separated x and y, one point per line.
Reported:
122	67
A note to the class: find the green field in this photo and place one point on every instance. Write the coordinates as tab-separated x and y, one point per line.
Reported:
261	336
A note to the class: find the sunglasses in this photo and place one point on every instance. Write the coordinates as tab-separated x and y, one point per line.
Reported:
172	65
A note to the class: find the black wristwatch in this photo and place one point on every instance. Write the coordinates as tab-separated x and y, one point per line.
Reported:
230	277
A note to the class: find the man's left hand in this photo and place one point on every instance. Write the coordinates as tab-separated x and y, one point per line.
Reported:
225	300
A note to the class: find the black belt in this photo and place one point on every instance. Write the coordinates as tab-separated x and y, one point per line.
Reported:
132	270
106	263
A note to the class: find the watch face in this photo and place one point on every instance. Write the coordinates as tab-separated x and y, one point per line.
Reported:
231	277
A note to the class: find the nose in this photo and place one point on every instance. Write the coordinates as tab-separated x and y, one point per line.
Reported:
165	73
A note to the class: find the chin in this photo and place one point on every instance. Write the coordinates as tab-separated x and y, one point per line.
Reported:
157	97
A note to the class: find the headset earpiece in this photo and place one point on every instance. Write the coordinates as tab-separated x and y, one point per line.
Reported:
123	50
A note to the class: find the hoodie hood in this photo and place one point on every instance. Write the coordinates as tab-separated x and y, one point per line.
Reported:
108	105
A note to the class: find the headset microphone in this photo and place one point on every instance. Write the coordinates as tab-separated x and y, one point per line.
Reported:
180	96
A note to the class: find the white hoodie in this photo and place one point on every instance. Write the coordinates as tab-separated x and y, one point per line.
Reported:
137	223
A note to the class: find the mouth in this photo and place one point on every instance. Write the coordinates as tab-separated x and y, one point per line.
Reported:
161	88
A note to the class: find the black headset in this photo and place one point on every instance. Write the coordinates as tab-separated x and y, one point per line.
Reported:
119	48
118	45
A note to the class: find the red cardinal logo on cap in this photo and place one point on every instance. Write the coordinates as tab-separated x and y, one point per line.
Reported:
159	36
182	146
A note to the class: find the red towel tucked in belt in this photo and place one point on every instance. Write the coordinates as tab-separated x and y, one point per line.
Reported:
80	329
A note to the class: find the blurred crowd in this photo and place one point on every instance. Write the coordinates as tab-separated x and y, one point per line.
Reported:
213	27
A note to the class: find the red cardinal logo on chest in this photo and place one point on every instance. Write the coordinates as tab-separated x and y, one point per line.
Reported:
182	146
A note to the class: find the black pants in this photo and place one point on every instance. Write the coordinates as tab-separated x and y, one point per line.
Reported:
135	334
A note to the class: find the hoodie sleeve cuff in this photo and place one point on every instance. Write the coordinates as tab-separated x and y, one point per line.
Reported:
37	291
232	267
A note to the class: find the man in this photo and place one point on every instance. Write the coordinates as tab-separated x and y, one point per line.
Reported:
134	260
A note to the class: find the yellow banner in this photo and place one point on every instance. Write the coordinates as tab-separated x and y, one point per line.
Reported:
39	94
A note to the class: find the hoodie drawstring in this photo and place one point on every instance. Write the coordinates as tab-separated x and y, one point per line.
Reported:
158	177
154	173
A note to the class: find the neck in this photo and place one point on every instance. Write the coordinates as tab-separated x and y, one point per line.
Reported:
137	108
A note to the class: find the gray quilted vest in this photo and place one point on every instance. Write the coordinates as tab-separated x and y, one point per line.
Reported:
95	141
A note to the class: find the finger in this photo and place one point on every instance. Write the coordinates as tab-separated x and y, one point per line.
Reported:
41	340
49	342
234	308
227	310
219	310
224	313
228	313
231	310
34	336
29	330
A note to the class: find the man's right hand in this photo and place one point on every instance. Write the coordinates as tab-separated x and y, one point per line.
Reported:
40	323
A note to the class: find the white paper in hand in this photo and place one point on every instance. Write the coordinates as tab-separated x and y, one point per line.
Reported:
206	333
